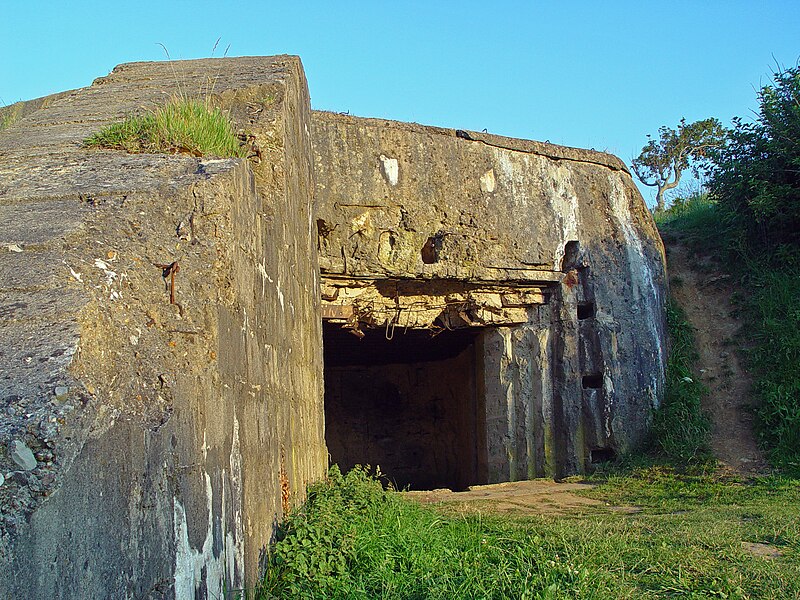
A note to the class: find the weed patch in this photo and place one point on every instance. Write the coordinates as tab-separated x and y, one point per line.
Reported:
10	114
183	125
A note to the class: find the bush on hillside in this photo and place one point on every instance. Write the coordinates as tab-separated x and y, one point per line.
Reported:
757	175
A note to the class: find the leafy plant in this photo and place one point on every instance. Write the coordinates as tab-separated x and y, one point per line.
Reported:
757	175
183	125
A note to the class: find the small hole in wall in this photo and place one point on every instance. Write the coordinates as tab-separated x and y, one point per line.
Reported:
585	310
430	251
601	455
592	382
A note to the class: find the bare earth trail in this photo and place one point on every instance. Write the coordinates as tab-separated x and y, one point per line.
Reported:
519	498
705	295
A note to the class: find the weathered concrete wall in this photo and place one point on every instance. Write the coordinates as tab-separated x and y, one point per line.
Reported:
400	201
167	437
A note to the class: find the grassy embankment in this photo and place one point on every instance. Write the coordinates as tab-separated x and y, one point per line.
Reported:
769	304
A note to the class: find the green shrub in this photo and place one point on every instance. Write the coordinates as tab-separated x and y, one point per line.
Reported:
757	175
680	428
757	186
773	308
182	125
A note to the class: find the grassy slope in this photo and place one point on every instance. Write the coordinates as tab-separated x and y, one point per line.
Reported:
770	305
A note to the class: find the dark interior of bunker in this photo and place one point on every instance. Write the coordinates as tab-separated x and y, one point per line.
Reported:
405	401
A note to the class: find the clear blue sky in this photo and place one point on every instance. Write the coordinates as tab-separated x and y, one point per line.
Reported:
594	74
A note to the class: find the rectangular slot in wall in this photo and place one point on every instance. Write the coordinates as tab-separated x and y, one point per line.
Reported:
585	310
601	455
593	381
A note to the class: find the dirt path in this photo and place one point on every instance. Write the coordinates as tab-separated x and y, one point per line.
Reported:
704	294
537	497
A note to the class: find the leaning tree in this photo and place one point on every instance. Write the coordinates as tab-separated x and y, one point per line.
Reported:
663	160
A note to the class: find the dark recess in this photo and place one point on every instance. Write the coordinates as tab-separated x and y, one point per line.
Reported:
342	348
592	382
433	245
585	310
601	455
404	400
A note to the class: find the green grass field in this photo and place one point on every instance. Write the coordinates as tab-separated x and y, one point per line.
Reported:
680	536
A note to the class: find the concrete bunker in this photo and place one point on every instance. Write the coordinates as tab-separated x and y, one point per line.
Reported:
538	265
545	258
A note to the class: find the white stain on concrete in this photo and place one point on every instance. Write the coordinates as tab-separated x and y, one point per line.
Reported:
488	182
234	540
646	294
565	207
280	294
391	169
515	172
608	404
509	171
262	270
189	562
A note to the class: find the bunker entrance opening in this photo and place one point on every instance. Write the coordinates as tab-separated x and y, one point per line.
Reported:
408	404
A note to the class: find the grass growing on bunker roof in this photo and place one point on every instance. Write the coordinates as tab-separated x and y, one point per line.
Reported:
9	115
183	125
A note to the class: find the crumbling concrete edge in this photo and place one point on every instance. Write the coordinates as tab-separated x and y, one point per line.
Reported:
546	149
